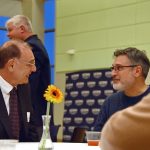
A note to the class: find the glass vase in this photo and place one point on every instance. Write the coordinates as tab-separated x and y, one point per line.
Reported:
46	142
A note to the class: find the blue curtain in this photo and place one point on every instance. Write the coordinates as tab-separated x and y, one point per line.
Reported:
85	93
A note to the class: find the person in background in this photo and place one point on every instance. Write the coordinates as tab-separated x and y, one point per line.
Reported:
20	27
17	62
129	71
128	129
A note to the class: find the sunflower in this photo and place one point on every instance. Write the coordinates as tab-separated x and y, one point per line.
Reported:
53	94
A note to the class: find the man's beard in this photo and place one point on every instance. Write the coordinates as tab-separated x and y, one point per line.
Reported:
118	86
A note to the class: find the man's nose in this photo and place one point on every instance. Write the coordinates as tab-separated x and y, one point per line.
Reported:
113	72
33	68
8	34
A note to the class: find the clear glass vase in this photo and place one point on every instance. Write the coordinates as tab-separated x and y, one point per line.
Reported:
46	142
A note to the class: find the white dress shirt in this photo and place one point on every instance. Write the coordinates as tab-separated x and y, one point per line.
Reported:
5	88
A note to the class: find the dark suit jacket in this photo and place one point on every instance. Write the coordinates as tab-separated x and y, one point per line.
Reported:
40	79
28	131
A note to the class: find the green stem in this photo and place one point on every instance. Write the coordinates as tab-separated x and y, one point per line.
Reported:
48	108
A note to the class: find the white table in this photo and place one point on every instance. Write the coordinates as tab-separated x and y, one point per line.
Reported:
58	146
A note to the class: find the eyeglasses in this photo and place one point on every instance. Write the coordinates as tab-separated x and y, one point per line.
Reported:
120	67
31	63
28	64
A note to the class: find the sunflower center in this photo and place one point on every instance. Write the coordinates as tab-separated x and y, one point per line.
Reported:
54	93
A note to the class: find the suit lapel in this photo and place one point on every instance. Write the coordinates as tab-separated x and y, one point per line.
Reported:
23	105
4	115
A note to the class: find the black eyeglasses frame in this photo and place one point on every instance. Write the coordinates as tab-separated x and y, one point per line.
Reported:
120	67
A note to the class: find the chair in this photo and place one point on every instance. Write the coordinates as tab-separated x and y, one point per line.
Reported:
78	135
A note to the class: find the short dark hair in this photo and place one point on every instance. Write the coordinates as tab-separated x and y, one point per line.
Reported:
137	57
8	52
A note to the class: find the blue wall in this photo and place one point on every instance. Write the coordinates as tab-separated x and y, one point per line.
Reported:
49	36
3	36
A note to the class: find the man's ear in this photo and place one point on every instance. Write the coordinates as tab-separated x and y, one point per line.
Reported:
10	65
138	71
22	28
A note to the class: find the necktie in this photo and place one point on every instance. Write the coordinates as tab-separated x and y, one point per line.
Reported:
13	113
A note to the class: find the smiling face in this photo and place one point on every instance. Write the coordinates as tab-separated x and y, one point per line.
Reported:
17	62
23	67
123	78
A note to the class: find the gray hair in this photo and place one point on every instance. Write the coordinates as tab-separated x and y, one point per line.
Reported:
19	20
136	57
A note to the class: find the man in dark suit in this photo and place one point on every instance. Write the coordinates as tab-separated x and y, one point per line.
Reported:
20	27
17	62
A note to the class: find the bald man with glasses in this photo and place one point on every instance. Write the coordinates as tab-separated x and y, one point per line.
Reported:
129	72
17	118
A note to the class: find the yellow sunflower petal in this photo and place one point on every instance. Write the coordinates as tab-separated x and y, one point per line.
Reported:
53	94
